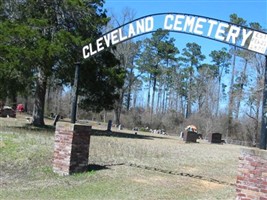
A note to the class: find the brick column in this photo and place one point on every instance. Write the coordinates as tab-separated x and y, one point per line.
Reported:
71	149
252	175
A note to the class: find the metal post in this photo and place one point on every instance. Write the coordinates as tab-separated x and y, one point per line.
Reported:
263	139
75	93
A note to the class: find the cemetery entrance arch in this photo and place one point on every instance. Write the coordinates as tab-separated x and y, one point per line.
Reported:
210	28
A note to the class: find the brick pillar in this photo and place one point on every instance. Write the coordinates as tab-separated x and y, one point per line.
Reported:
71	149
252	175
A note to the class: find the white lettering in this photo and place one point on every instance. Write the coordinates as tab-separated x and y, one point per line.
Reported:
258	42
199	26
131	32
189	21
177	22
260	35
91	49
99	44
221	31
107	39
114	37
245	36
216	30
149	24
212	23
140	26
233	33
121	36
85	52
166	26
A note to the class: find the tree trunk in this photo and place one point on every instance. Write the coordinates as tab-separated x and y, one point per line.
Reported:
39	100
240	95
135	99
189	99
129	94
163	100
128	99
167	100
59	98
231	100
14	101
153	97
117	109
170	102
177	97
153	94
117	114
26	104
256	125
218	97
48	98
148	94
159	108
183	105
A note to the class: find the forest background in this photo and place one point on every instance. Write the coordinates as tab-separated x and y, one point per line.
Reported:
147	82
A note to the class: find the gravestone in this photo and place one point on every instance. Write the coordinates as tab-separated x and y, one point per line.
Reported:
135	130
109	125
215	138
190	136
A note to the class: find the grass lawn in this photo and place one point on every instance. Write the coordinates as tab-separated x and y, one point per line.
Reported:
121	166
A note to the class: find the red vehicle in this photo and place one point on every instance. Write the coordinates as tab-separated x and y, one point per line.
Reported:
20	108
7	111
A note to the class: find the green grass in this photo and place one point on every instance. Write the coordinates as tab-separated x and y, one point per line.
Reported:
126	166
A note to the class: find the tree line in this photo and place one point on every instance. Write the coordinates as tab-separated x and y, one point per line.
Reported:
41	42
177	79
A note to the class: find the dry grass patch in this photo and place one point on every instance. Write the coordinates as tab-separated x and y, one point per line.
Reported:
143	166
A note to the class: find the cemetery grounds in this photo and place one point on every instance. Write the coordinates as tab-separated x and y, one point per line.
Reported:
122	165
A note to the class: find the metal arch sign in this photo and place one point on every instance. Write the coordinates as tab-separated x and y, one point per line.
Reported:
214	29
210	28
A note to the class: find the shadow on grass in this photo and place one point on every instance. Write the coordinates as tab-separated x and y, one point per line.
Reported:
49	129
28	128
96	132
97	167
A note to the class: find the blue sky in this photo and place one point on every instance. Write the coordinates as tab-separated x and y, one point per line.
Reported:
250	10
